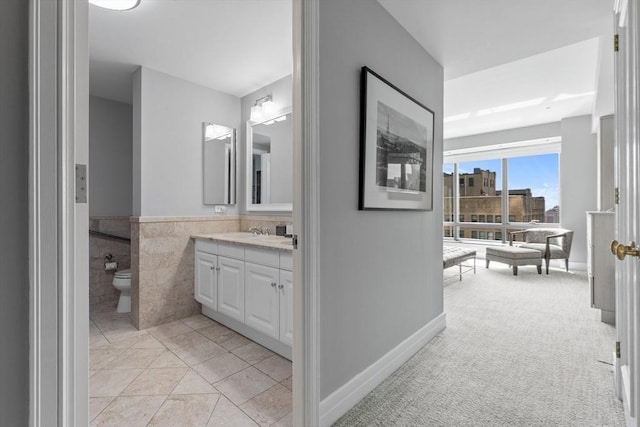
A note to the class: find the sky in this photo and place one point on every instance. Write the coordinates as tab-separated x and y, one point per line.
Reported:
539	173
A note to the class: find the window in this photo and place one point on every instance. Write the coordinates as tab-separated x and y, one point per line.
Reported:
474	234
447	191
461	218
498	235
483	235
489	218
481	218
499	219
461	181
461	233
533	188
470	182
512	218
490	235
474	218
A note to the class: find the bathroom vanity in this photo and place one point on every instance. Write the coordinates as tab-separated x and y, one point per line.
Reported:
245	282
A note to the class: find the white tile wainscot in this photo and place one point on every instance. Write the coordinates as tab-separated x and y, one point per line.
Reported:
245	282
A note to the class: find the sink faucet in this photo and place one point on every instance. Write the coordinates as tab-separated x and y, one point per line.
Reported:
256	230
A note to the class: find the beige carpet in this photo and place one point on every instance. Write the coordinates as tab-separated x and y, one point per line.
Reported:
517	351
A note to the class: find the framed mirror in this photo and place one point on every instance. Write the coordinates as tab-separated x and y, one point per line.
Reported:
269	164
219	164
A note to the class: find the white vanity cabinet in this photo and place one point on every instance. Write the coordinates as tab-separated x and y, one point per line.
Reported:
248	289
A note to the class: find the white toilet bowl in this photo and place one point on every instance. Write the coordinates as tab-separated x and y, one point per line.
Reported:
122	282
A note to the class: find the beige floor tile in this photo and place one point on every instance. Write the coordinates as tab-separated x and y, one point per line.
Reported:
231	340
276	367
169	330
159	381
123	333
244	385
197	322
253	353
193	383
285	422
98	340
288	383
147	341
226	414
220	367
93	329
188	410
111	382
168	360
193	348
270	406
129	411
99	358
135	358
97	404
214	331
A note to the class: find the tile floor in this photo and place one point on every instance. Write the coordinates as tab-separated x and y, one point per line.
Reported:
192	372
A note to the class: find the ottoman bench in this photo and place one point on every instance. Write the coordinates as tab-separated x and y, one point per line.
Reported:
514	257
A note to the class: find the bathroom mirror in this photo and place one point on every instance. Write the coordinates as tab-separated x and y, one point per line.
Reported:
270	163
219	164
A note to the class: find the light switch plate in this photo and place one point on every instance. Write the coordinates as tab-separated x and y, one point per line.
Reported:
81	183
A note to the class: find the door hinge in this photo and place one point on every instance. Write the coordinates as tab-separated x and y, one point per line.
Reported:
81	183
617	349
294	240
616	43
616	196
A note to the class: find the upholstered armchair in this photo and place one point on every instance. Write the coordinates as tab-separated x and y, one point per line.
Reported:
553	243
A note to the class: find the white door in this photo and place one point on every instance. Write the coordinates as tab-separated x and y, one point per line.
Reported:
285	288
231	287
262	299
206	279
627	363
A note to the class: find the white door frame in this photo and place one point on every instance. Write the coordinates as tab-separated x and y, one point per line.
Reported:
627	153
58	238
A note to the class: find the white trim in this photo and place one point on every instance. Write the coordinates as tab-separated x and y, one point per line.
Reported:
343	399
306	213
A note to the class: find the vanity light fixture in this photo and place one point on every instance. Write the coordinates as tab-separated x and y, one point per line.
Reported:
116	4
213	131
263	108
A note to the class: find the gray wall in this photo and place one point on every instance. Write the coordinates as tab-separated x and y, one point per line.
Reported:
14	227
168	117
381	272
110	157
578	180
282	93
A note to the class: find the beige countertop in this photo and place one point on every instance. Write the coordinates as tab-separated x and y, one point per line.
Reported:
249	239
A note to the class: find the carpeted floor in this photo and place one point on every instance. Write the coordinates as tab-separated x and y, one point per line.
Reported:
517	351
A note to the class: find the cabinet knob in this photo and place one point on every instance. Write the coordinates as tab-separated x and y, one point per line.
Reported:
213	268
281	286
273	284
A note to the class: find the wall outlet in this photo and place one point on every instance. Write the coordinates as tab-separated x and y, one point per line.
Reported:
220	209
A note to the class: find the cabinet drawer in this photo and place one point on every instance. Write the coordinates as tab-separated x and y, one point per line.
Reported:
231	251
207	246
286	260
262	256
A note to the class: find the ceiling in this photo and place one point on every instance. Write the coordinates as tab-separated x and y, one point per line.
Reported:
507	63
232	46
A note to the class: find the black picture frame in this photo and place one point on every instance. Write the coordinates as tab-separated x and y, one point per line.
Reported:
396	148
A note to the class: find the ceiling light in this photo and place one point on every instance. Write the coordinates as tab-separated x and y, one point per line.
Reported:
116	4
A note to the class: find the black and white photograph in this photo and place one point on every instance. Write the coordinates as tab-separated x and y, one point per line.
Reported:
396	148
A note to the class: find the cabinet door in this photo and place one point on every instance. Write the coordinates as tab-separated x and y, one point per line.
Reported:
285	288
231	287
262	299
206	284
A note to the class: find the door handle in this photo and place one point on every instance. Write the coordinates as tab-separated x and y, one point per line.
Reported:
621	251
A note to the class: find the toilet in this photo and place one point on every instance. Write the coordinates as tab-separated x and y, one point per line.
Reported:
122	282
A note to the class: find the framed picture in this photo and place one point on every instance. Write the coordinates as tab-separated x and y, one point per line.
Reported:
396	148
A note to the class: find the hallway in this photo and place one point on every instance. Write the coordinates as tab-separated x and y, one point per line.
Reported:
525	350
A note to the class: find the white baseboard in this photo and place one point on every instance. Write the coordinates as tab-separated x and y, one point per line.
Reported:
340	401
